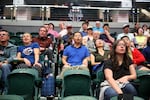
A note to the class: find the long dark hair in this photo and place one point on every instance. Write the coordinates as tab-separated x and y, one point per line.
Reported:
113	56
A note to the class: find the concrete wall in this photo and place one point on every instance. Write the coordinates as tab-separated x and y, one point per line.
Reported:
33	26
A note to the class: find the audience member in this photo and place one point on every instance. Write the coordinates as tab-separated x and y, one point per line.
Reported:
136	56
88	40
63	30
126	33
118	72
84	27
107	37
52	31
141	39
75	56
135	29
29	53
97	58
44	42
7	54
98	27
67	39
146	30
146	53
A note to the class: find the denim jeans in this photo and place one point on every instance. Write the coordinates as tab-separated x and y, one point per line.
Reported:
128	89
6	69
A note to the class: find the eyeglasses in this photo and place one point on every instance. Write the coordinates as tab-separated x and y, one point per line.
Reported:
3	34
43	30
121	44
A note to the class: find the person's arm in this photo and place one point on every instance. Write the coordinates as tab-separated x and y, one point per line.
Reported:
36	57
19	56
85	61
25	60
138	57
130	77
93	63
64	61
12	54
109	36
109	77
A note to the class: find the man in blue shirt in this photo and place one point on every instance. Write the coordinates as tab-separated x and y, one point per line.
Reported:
76	55
98	27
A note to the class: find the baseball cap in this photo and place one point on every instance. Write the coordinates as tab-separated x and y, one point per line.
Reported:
90	28
125	25
69	26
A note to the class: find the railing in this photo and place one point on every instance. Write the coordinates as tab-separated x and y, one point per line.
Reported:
56	12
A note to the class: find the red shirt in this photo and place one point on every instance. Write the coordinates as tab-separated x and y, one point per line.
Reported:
44	42
138	57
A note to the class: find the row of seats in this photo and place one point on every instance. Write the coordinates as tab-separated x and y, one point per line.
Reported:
76	84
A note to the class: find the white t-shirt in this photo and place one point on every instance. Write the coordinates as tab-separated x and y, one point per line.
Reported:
63	32
130	35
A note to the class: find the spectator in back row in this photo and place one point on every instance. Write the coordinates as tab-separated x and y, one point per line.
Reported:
67	39
126	33
109	40
98	27
7	53
88	40
63	30
44	42
141	39
135	29
52	31
84	27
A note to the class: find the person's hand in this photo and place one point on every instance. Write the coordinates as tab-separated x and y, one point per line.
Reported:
123	79
37	64
27	62
67	65
106	32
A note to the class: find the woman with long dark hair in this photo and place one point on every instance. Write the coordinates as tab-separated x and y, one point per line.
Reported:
118	72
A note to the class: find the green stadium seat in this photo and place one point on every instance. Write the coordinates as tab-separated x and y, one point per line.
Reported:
23	82
11	97
144	84
79	97
76	82
134	98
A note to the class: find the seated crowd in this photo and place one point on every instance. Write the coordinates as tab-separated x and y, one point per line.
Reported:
117	56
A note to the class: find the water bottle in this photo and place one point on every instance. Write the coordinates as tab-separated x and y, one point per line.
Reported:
50	47
46	60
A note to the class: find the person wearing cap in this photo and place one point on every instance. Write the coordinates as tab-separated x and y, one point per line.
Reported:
98	27
126	33
88	40
108	39
67	39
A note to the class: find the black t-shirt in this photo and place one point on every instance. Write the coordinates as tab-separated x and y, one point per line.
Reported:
120	72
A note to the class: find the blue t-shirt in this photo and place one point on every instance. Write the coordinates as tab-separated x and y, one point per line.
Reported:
100	29
75	56
146	53
28	51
